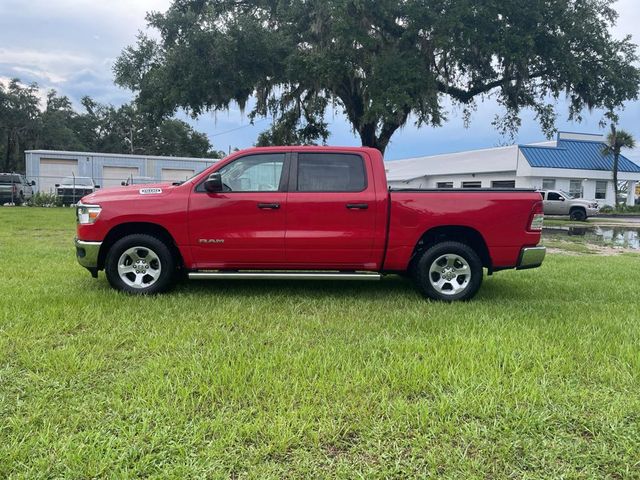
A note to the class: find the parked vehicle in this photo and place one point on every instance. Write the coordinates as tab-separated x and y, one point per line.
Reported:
14	188
558	202
138	181
72	189
306	213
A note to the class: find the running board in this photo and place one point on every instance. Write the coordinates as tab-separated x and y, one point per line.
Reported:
283	276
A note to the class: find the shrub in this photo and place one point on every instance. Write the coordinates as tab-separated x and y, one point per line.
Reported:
42	199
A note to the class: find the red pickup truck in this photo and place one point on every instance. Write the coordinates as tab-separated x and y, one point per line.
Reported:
306	213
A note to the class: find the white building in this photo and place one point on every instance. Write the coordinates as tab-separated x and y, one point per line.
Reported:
574	162
48	167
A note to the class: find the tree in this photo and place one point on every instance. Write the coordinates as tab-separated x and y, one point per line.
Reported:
59	125
380	61
25	125
616	141
19	116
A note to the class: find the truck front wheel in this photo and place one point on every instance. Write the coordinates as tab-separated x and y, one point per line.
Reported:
578	214
140	264
448	271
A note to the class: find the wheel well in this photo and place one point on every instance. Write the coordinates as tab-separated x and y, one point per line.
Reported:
124	229
466	235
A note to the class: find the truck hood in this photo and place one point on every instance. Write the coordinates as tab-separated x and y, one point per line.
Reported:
582	201
131	192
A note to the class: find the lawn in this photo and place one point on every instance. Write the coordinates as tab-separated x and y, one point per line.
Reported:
539	377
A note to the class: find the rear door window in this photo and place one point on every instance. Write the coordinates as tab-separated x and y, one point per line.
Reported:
330	172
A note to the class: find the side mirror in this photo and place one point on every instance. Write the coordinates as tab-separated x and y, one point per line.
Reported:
562	199
213	184
33	183
57	185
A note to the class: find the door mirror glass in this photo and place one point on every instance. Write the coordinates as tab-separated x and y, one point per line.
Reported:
33	183
213	184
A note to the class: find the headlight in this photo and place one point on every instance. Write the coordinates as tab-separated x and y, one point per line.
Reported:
87	214
593	205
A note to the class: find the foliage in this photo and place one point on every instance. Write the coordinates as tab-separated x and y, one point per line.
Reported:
621	209
607	209
537	378
381	61
616	141
19	122
25	125
43	199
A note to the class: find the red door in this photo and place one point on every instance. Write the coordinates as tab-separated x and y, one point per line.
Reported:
243	226
331	212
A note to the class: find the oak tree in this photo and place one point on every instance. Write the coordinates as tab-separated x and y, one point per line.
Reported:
382	62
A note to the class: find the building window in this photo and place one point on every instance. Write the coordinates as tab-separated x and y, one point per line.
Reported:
444	184
575	188
503	184
548	183
471	184
601	189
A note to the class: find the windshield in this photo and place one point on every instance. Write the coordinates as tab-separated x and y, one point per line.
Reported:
213	161
567	194
82	181
10	179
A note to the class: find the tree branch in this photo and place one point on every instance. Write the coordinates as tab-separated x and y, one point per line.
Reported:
465	96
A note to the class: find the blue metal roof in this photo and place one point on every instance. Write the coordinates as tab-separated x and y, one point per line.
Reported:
575	155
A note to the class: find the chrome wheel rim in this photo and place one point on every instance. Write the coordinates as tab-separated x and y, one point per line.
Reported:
139	267
450	274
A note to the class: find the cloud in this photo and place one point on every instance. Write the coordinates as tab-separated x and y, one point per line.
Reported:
71	45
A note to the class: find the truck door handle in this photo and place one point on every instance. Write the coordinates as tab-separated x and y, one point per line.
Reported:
357	206
269	206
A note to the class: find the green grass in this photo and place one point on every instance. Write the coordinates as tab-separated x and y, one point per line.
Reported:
539	377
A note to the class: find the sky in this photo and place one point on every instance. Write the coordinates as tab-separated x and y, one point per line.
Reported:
71	46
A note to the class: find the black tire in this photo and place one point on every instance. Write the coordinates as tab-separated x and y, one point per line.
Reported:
144	245
578	215
19	200
454	250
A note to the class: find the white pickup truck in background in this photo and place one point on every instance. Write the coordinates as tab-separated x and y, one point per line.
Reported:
558	202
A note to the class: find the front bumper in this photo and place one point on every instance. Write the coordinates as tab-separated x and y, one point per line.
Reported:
531	257
87	254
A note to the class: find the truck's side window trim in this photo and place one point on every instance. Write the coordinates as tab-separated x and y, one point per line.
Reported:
294	173
284	174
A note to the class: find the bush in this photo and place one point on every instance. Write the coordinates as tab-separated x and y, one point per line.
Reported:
41	199
620	209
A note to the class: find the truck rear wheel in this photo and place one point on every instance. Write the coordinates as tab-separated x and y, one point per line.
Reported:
140	264
448	271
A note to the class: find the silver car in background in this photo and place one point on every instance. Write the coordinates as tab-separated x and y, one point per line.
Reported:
558	202
15	189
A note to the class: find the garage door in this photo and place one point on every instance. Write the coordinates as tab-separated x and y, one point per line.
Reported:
52	171
176	174
114	176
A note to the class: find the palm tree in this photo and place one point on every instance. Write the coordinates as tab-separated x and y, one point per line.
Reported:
616	141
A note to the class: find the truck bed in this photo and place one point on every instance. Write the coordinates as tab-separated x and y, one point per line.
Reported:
501	216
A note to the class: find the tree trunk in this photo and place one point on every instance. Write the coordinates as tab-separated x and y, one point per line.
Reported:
370	138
